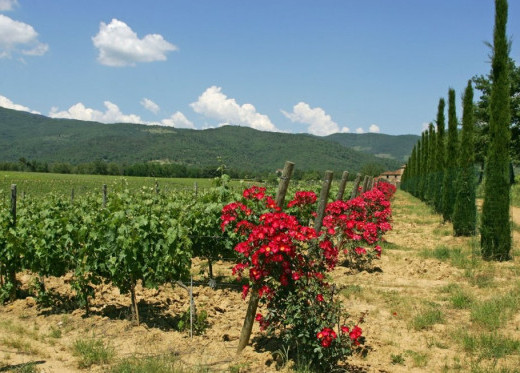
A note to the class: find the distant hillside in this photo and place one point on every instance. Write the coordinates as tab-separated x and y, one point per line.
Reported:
383	146
37	137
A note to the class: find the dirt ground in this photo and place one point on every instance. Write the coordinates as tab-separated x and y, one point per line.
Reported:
386	298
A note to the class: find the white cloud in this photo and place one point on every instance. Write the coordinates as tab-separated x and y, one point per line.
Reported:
360	130
150	105
8	104
374	128
425	126
177	120
20	37
112	114
216	105
119	45
320	123
6	5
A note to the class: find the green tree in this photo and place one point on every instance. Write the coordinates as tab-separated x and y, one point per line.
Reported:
430	177
483	83
450	170
495	229
424	162
439	158
465	211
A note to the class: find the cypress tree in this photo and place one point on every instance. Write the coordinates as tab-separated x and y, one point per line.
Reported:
450	170
430	177
496	229
417	169
439	158
424	160
465	210
411	175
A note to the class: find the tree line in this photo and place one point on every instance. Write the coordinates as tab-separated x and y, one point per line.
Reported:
441	168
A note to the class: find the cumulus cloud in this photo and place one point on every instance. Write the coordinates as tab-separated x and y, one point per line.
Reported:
150	105
425	126
177	120
119	45
8	104
216	105
360	130
6	5
374	129
19	37
320	123
112	114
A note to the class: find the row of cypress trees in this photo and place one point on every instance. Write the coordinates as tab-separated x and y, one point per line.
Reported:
441	171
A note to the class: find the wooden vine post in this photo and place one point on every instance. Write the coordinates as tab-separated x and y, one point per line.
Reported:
252	306
365	184
322	204
342	186
355	191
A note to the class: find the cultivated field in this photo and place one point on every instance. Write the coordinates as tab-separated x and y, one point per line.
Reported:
430	305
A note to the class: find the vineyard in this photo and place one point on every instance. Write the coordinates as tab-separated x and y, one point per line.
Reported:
110	275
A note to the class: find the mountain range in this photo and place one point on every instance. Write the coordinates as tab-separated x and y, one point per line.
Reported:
37	137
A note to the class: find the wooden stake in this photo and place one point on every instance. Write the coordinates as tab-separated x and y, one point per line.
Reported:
342	186
247	327
324	195
355	191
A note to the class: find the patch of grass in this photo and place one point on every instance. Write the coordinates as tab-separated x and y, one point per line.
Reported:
19	344
489	345
350	290
441	253
461	300
495	312
397	359
427	318
18	329
419	359
92	351
168	363
442	231
55	332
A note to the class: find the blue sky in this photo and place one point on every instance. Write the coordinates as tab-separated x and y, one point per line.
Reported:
291	66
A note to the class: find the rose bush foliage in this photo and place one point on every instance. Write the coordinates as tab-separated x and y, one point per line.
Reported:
286	261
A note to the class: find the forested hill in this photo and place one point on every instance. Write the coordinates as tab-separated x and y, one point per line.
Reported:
36	137
383	146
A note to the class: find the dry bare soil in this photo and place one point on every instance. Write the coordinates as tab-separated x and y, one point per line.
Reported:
430	305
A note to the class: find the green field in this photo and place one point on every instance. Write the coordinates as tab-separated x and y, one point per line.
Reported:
37	184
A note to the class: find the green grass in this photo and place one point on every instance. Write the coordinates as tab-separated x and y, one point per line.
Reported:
427	318
419	359
350	290
495	312
490	345
33	184
153	364
92	351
